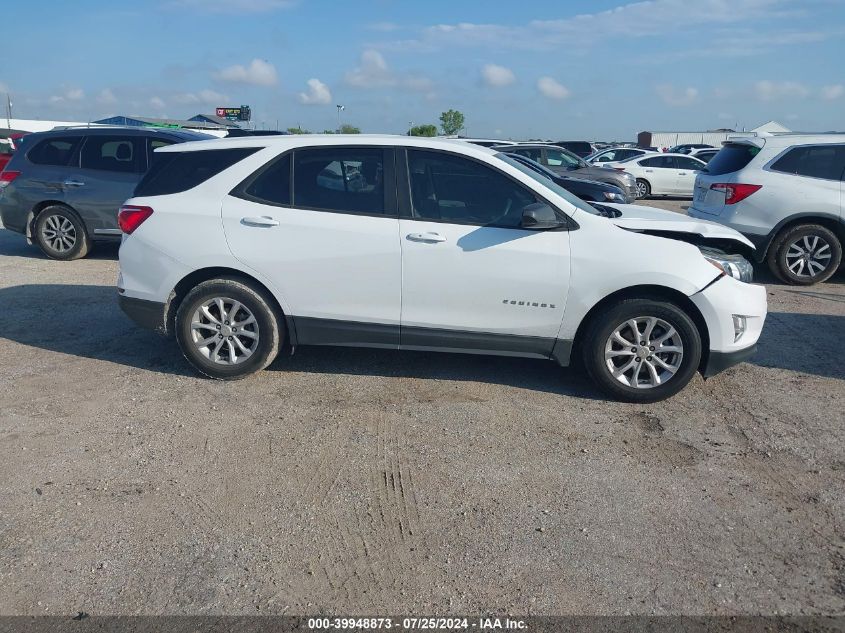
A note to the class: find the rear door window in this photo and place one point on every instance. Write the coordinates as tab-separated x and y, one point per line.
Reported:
340	179
731	158
54	151
175	172
688	163
816	161
114	153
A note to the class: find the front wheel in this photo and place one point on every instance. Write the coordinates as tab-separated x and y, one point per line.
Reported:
227	329
642	350
643	188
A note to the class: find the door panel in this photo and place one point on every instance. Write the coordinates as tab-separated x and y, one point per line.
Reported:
336	270
471	279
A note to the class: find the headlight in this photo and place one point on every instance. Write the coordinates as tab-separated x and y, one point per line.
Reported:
611	196
735	266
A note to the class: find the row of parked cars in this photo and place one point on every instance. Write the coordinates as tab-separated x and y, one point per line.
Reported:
240	247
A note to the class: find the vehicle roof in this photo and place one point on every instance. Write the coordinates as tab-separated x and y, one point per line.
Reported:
128	130
786	140
310	140
530	145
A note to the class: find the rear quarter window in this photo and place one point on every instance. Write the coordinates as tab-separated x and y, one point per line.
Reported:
732	157
818	161
54	151
175	172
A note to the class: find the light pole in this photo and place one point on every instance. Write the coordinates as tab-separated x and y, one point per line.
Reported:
410	127
340	108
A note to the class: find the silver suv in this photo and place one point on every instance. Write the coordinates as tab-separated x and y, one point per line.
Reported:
784	193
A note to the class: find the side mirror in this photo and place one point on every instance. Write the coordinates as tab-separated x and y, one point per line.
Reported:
540	216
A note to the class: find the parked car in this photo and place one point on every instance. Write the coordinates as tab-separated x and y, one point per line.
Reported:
662	174
704	155
448	247
785	194
589	190
566	163
579	148
486	142
686	148
64	188
614	154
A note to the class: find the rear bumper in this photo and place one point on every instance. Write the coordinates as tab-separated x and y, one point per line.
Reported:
147	314
718	362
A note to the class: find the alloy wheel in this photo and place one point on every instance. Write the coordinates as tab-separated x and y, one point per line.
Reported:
808	256
224	331
642	190
59	233
644	352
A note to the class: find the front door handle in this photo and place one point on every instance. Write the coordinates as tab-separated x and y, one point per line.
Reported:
426	237
260	221
73	183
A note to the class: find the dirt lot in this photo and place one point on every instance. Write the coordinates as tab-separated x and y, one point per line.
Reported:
358	481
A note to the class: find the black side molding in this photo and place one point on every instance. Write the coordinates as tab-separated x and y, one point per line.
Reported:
718	362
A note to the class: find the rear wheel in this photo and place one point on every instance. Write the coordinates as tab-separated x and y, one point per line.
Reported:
643	188
804	255
60	233
642	350
227	329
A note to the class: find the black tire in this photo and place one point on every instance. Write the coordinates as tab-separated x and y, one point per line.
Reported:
60	233
267	327
643	188
601	328
784	252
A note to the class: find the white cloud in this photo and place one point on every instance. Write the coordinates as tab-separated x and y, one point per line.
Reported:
106	97
373	72
318	93
68	94
676	97
204	97
232	6
775	90
157	103
497	76
832	92
552	88
258	73
634	19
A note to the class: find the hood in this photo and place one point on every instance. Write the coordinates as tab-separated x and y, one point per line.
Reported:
640	218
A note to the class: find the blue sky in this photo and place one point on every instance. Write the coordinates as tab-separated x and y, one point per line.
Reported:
596	69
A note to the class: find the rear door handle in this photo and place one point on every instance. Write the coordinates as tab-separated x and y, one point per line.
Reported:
73	183
260	221
426	237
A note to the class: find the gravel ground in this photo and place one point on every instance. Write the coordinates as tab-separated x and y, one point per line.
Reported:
359	481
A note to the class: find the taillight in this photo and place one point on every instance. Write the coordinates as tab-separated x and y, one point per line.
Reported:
6	177
131	217
735	192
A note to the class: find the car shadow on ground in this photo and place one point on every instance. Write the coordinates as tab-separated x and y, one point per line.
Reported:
86	321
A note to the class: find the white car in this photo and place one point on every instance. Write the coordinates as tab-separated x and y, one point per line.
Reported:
615	155
238	248
661	174
786	194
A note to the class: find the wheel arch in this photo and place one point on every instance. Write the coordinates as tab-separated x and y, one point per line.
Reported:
36	210
191	280
657	293
832	222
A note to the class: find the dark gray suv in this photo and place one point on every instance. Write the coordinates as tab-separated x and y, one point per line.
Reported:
565	163
63	188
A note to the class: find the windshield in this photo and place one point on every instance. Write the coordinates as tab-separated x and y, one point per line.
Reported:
548	183
559	157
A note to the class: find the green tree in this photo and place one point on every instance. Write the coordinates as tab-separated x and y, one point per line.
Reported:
349	129
328	131
452	122
298	130
424	130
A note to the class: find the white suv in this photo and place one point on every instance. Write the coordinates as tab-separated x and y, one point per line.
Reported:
785	193
239	246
